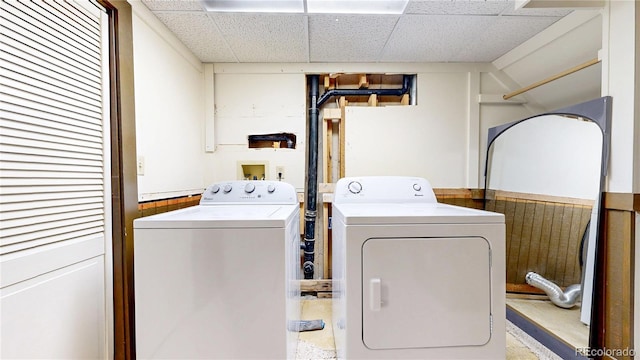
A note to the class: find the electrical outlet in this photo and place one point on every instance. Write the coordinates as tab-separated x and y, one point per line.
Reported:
140	165
279	173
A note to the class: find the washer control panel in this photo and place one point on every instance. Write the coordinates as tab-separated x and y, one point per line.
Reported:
249	191
383	189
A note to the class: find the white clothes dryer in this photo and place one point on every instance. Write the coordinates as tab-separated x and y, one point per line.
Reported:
413	278
219	280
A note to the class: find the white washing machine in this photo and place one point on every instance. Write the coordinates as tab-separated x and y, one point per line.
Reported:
413	278
219	280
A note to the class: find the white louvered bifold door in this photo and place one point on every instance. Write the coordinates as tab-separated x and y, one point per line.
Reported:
52	173
51	142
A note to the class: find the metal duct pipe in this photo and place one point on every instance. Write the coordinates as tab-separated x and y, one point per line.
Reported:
566	299
355	92
310	212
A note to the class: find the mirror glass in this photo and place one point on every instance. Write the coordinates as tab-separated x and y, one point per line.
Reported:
545	174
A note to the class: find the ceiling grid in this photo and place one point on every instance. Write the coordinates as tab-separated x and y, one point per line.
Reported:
427	31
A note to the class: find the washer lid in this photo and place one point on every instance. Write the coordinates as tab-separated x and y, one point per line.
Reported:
221	216
436	213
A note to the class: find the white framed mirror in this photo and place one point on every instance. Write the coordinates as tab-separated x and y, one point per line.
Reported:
546	174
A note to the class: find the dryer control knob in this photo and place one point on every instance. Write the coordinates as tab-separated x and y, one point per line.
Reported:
417	187
215	189
227	188
249	188
271	188
354	187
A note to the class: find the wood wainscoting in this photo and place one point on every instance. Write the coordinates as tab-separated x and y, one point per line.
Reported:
543	234
612	325
471	198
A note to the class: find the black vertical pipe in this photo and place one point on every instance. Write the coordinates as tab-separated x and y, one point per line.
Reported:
312	179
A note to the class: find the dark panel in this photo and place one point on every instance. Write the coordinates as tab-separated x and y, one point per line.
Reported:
618	291
612	322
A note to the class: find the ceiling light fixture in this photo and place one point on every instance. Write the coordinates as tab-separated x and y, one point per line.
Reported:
393	7
254	6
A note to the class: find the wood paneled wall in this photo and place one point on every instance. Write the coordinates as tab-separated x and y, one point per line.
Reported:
471	198
612	325
161	206
543	234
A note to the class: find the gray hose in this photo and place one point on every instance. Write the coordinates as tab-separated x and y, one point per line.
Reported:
566	299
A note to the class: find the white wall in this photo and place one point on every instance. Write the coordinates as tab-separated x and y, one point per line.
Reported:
620	81
444	129
169	88
439	139
251	104
427	140
444	135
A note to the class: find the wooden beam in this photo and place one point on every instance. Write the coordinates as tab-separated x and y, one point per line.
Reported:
502	195
343	104
622	201
331	113
373	100
523	288
330	83
326	187
315	285
363	83
404	100
326	149
551	78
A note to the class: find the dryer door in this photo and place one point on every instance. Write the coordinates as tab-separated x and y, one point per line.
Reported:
426	292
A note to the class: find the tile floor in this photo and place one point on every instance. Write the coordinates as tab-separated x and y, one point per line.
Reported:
318	344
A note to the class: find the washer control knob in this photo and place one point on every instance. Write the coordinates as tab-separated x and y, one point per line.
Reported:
227	188
215	189
271	188
417	187
249	188
354	187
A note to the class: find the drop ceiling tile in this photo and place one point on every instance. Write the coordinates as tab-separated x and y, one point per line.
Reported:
173	5
198	32
433	38
349	38
265	37
466	7
537	12
504	34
